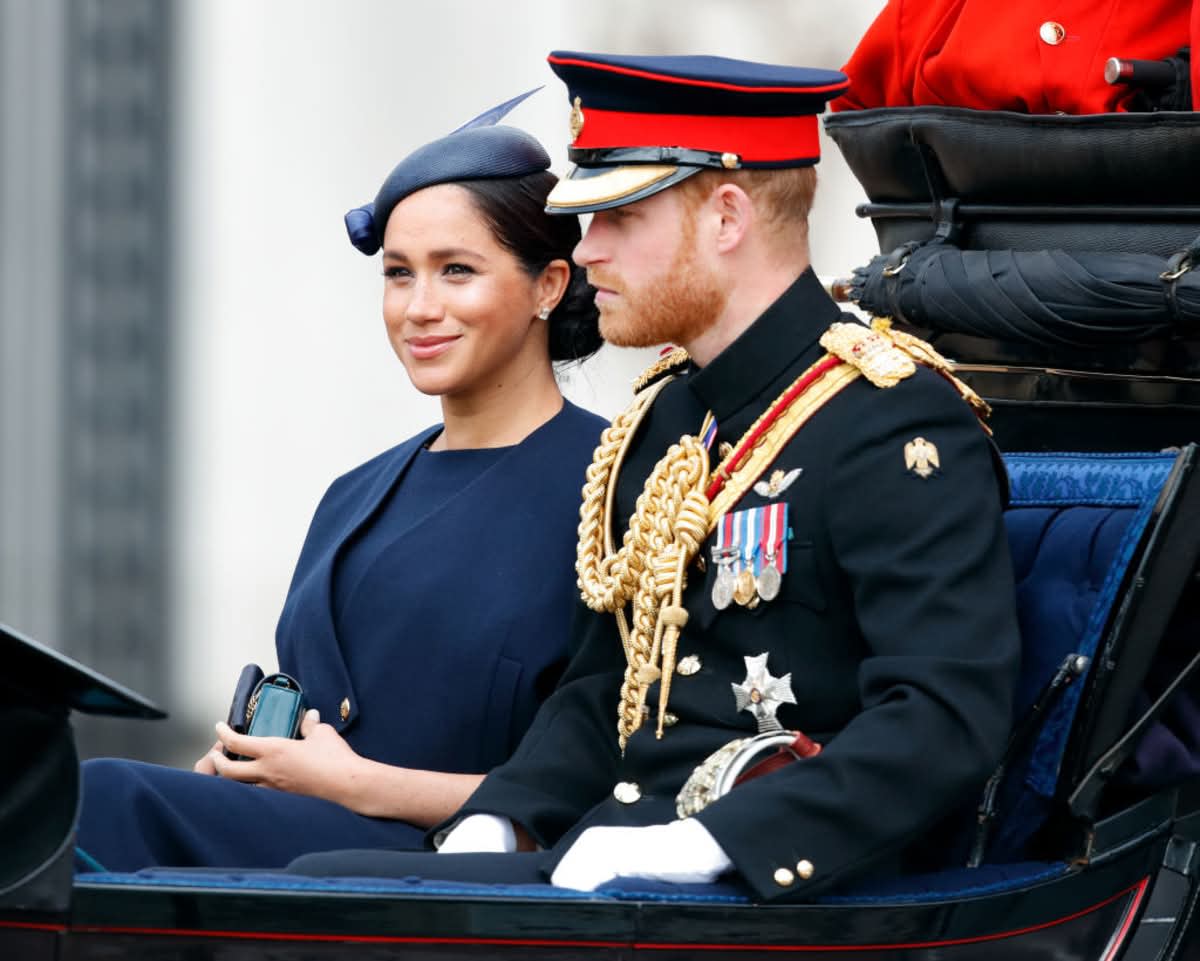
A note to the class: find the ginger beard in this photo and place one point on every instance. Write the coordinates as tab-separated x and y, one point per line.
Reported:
674	307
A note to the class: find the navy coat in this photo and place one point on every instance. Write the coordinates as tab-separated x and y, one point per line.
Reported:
459	631
896	621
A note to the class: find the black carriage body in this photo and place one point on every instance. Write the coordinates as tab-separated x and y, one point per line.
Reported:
1078	915
1125	903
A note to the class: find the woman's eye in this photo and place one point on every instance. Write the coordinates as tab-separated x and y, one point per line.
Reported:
458	270
396	273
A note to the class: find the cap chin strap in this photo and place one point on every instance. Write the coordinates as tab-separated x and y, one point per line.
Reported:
612	156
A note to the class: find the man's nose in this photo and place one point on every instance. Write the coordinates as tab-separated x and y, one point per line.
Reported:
589	249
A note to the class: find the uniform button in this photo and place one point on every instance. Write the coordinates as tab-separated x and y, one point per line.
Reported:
804	869
784	878
701	564
670	720
688	666
1052	33
627	792
344	710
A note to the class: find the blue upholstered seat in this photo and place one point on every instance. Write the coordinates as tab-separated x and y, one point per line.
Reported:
1075	522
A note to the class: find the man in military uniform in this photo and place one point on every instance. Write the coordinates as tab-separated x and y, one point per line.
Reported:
792	538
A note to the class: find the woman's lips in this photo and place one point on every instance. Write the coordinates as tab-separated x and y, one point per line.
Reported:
424	348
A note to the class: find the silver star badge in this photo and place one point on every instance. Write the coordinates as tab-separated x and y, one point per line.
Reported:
761	694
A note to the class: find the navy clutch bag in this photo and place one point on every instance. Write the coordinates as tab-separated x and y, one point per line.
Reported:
269	705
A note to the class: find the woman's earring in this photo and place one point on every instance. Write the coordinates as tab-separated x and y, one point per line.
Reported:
544	313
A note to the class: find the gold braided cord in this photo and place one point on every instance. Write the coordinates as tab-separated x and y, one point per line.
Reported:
605	579
665	532
671	520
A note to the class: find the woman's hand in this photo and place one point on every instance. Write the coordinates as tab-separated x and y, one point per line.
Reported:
319	764
205	764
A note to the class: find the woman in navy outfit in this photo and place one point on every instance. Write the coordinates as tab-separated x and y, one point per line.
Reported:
428	613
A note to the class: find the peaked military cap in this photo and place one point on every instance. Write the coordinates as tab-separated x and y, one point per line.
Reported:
641	124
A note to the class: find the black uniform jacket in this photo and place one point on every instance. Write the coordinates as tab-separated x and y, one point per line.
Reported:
896	620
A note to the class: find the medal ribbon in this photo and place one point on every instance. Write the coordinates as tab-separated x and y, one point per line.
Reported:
749	544
772	532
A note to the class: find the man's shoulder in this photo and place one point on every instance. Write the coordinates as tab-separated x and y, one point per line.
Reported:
924	394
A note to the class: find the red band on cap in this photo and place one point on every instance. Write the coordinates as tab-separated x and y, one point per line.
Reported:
753	139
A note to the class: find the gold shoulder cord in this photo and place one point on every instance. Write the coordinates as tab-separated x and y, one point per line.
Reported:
673	515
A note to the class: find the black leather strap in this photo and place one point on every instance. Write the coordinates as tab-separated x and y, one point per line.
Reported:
1179	264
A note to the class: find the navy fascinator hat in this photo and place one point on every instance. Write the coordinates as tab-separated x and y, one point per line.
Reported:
476	151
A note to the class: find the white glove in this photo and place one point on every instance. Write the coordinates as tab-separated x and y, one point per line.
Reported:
682	851
480	834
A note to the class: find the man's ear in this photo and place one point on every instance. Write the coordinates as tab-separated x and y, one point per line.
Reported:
736	211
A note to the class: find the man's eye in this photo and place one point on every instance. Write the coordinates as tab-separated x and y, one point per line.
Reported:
616	217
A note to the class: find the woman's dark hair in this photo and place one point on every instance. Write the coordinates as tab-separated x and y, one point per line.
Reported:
514	209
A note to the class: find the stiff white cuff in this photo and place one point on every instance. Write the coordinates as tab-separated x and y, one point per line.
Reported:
480	834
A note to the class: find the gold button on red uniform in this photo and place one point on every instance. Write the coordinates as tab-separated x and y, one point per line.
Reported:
1052	33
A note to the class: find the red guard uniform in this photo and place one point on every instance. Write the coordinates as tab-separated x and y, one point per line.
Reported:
1195	37
1032	56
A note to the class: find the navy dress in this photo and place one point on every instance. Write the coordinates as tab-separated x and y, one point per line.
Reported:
426	620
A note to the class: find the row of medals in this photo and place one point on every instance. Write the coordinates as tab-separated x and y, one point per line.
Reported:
744	587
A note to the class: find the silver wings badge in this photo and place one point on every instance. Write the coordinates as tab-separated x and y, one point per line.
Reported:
777	483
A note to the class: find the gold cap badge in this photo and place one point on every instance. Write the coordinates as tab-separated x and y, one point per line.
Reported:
576	119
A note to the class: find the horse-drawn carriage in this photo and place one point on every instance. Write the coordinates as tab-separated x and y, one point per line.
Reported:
1085	843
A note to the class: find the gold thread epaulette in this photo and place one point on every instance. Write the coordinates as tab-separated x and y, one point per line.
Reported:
923	353
886	356
873	352
666	364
